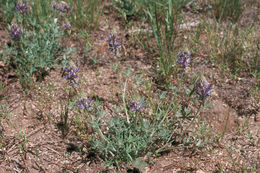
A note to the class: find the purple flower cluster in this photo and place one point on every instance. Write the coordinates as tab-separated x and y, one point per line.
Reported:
203	89
62	7
15	32
70	73
184	58
84	103
66	25
136	106
113	44
21	7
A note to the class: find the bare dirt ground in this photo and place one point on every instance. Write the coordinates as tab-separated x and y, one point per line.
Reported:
234	115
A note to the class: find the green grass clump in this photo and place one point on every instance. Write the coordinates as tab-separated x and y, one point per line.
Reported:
235	49
164	17
227	9
86	13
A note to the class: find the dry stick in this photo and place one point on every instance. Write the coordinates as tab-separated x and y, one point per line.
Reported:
164	146
16	170
6	167
50	162
18	163
39	166
226	123
54	151
29	135
195	117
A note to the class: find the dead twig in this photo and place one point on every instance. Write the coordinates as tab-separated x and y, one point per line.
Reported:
39	166
18	163
22	140
54	151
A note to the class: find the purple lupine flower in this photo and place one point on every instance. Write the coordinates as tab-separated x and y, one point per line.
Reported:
65	8
62	7
21	7
184	58
136	106
84	103
203	89
70	73
113	44
66	25
15	32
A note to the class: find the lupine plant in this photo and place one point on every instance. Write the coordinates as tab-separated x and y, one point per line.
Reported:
70	73
66	25
127	141
62	7
129	137
34	54
113	44
16	32
203	89
21	7
184	58
136	106
84	103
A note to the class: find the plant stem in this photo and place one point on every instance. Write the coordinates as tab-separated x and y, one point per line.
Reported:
127	116
195	117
